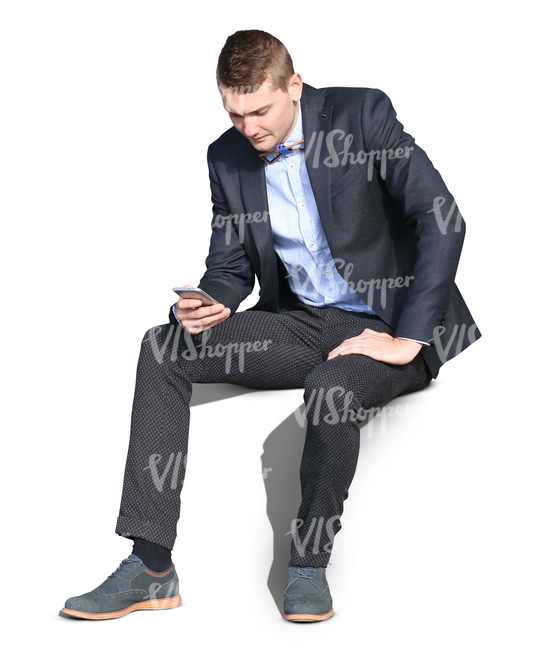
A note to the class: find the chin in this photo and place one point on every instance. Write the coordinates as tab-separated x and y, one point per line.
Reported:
264	145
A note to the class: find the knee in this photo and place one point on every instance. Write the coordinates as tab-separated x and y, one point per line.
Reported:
333	374
158	333
332	394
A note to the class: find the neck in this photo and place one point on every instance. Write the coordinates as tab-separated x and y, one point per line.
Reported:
293	125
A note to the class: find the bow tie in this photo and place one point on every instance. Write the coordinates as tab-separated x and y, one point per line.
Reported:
281	151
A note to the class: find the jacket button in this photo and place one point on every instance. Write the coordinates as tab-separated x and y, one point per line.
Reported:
323	115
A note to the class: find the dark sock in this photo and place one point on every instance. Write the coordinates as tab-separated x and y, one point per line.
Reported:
155	557
291	563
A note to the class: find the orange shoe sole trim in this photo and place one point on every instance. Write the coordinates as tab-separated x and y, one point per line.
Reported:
161	603
308	618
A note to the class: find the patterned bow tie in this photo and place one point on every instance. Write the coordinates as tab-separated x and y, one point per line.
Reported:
281	151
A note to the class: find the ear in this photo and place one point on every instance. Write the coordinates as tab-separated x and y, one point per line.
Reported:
295	87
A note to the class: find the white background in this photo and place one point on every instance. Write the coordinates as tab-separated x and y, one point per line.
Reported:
107	111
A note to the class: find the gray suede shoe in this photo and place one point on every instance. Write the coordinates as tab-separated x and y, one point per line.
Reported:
131	586
307	596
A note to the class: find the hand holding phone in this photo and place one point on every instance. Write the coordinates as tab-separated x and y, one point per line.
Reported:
197	311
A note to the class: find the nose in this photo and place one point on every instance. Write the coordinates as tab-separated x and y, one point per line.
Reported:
250	127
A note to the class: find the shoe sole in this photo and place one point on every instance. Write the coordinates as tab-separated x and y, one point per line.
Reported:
161	603
308	618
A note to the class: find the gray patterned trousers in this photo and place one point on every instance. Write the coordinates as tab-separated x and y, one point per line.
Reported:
267	351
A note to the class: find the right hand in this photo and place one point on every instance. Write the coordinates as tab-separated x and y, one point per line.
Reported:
196	318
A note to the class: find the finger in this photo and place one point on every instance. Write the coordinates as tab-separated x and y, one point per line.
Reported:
337	352
334	352
206	320
198	329
208	310
341	346
367	335
199	325
354	348
189	303
203	310
347	342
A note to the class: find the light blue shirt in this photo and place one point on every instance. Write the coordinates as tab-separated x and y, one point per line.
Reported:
298	234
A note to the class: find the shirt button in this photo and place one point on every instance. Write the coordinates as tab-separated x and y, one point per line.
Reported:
312	245
291	166
328	273
302	205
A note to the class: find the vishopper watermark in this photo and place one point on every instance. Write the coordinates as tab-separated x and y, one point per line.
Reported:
191	353
381	415
159	479
345	156
443	223
157	599
226	221
328	272
301	545
458	335
336	415
240	91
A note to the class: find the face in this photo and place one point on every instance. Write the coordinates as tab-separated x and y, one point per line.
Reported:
265	117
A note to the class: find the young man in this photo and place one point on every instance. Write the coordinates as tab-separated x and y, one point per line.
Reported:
355	241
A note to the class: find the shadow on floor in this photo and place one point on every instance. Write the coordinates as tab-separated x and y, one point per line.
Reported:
280	465
207	393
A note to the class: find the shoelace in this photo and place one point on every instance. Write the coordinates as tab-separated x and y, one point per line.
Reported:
122	566
305	572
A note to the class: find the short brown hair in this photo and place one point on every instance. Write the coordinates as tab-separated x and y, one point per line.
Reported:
249	57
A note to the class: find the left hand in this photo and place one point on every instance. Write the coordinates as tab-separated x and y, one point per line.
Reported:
379	346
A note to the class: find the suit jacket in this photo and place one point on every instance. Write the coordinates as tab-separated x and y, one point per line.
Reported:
393	228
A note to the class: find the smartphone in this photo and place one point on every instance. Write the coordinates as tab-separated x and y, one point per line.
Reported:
192	292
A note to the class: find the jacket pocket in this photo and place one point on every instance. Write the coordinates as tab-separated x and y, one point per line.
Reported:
347	179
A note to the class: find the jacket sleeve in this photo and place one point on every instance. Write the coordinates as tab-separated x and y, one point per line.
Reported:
229	276
428	207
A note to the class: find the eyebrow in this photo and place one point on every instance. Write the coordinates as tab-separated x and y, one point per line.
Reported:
262	108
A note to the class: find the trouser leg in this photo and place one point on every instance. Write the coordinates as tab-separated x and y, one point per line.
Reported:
337	391
254	349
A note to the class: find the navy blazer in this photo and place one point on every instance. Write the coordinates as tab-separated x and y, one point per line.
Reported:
393	227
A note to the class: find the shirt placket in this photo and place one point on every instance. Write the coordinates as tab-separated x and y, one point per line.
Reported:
304	225
317	246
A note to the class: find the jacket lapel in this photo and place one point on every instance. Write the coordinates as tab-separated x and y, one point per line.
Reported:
254	192
316	124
